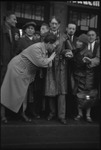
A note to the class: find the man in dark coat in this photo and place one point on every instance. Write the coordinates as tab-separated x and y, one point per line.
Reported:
7	41
7	47
70	44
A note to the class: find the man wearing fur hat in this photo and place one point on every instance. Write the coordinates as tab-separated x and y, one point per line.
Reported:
83	74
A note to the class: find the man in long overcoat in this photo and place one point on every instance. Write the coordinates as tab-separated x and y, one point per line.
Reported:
7	41
7	45
56	77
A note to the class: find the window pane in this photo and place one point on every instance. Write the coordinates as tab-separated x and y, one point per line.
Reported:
17	10
92	21
33	11
42	13
96	19
88	20
28	11
83	19
38	13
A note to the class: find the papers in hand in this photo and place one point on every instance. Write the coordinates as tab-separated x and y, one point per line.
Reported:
86	60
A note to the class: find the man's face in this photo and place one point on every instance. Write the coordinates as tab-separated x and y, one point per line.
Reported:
11	20
30	30
91	36
54	25
44	29
71	29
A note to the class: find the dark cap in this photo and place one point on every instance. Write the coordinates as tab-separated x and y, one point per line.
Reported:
83	38
29	24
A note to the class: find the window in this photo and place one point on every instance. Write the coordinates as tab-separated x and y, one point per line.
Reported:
29	10
83	20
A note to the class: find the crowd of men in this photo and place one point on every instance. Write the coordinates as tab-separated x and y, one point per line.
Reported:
71	80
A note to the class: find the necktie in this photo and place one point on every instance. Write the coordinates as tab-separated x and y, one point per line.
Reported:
71	38
91	47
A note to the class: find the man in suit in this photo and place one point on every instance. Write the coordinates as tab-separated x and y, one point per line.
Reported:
7	47
7	40
70	31
70	44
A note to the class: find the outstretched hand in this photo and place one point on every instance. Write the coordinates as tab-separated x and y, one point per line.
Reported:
52	55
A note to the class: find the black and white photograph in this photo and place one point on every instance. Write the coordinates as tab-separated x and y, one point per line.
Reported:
50	74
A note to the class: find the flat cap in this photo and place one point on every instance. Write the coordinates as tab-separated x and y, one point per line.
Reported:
29	24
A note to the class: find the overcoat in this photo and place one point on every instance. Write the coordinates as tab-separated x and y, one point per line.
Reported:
56	76
22	44
20	73
7	48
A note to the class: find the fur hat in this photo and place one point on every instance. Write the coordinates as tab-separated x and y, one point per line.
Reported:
83	38
29	24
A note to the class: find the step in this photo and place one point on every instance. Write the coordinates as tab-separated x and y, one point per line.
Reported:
50	134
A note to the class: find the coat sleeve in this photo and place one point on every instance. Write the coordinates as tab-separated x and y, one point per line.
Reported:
39	58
